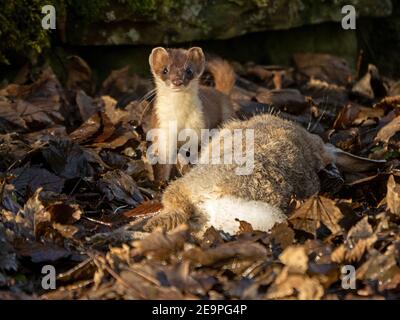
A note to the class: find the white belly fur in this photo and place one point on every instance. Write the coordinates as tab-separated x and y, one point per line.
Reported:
223	212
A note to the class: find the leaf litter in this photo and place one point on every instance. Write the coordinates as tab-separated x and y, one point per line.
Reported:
75	191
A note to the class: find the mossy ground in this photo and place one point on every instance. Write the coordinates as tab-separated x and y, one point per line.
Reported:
21	31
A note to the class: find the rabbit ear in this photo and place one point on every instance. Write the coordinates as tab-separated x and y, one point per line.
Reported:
348	162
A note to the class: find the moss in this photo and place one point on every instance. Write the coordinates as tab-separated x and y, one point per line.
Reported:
88	10
21	29
95	9
21	32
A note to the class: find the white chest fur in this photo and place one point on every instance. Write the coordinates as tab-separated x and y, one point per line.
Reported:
184	107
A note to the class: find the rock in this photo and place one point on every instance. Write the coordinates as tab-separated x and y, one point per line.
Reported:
380	41
102	22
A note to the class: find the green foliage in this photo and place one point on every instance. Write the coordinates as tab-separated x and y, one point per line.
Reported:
94	9
89	10
21	30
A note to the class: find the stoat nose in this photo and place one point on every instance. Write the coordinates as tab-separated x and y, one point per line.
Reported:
177	82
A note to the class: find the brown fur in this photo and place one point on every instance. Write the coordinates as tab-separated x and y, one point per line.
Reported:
224	75
287	160
177	70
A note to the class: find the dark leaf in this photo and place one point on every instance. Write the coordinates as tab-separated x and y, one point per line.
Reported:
120	186
288	100
86	131
32	178
323	67
79	74
67	159
86	105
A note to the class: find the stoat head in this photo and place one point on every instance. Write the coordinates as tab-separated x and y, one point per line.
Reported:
177	69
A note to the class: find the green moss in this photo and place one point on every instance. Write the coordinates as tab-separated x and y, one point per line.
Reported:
21	30
89	10
95	9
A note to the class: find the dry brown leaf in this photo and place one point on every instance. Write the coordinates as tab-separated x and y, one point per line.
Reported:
160	244
323	67
359	239
120	83
79	74
282	235
140	282
393	196
388	102
36	106
240	250
389	130
118	185
354	114
147	207
288	100
315	211
87	129
244	226
117	142
382	268
295	259
370	86
86	105
295	286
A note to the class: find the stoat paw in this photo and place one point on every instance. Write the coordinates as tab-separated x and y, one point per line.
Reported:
165	221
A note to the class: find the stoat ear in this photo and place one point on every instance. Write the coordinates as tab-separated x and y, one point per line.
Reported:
196	56
158	58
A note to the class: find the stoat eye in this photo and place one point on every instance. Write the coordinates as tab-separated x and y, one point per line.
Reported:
189	71
165	70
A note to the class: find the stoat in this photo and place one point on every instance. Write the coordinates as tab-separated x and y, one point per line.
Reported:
181	99
287	160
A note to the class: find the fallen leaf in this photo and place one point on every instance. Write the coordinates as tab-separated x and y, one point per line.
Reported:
8	257
354	114
389	103
118	185
370	85
161	245
393	196
288	100
295	258
120	83
389	130
238	250
294	286
323	67
315	211
282	235
31	178
359	239
67	159
86	131
147	207
79	74
86	105
244	226
382	268
39	252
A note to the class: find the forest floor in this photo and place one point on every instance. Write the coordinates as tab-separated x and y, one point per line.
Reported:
75	189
